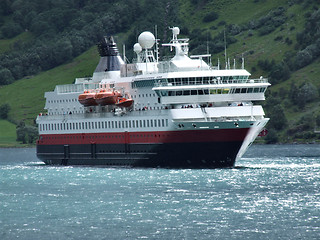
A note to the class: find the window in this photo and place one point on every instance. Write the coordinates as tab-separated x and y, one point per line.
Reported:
186	92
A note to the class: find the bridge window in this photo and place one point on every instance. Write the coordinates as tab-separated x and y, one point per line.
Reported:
171	93
186	92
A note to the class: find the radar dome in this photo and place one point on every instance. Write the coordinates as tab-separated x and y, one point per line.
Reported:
176	31
137	48
146	40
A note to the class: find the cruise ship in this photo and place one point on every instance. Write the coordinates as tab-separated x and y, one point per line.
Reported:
168	112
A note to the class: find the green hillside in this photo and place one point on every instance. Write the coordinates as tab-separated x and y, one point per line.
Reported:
8	134
276	38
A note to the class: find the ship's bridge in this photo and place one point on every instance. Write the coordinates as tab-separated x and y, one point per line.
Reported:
210	89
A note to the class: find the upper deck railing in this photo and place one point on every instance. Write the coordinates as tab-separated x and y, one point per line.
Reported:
75	88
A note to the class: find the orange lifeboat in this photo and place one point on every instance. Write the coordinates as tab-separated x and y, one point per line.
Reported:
107	97
87	99
124	102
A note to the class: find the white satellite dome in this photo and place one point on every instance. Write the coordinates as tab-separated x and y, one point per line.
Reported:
176	31
146	40
137	48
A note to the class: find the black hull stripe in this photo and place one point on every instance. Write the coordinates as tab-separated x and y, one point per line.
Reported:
171	155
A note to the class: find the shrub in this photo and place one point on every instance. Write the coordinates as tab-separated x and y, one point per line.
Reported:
26	133
5	76
210	17
11	30
4	111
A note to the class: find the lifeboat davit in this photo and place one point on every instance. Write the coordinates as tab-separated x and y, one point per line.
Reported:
107	97
124	102
87	99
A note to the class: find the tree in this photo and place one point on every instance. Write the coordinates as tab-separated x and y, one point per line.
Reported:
210	17
26	133
278	120
4	111
11	30
5	76
271	137
306	93
279	72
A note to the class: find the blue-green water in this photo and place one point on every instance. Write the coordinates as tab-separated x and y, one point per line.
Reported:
273	193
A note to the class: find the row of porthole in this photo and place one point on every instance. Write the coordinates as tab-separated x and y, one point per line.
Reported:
105	125
101	137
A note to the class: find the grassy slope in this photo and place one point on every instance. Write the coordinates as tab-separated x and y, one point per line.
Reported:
7	44
241	12
7	134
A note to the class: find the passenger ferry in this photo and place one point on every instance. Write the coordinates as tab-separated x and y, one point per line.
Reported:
176	113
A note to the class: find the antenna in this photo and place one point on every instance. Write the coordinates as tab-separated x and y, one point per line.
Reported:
242	65
225	48
207	42
157	43
124	53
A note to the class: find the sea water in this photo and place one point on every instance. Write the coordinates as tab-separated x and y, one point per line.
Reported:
272	193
